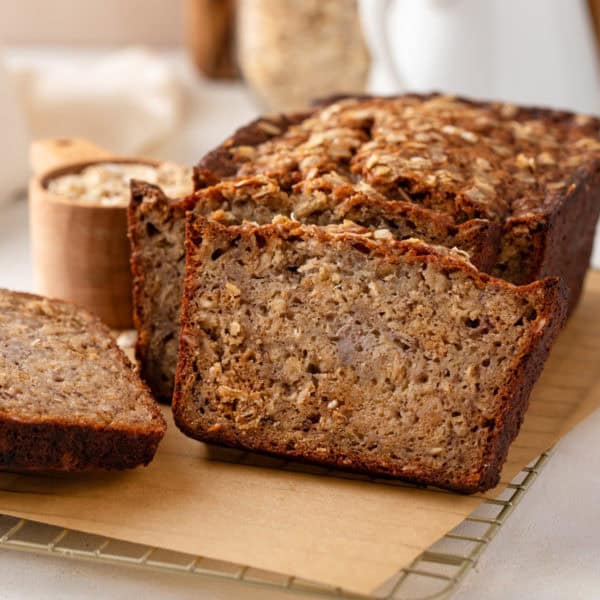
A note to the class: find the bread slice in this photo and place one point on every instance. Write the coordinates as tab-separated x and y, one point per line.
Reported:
69	398
157	231
157	234
327	344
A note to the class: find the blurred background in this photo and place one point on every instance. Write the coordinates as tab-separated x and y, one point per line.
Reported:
170	79
165	77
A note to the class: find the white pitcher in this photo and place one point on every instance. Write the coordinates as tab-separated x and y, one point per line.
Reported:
530	51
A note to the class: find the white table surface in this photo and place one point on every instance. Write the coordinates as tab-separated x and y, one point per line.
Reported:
550	547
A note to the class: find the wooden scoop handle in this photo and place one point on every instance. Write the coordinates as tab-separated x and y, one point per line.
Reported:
594	6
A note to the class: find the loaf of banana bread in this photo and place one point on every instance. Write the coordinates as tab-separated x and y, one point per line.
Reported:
334	345
517	188
69	398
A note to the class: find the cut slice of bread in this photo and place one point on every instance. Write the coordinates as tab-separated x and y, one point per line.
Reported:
69	398
327	344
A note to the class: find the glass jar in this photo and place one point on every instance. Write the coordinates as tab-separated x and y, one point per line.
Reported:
291	52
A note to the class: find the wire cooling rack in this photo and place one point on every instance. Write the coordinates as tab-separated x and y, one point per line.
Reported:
434	574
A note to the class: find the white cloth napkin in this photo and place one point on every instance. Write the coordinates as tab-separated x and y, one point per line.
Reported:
128	101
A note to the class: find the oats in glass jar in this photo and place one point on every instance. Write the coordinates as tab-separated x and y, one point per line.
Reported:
292	52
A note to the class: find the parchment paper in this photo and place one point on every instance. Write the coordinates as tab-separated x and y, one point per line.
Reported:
346	532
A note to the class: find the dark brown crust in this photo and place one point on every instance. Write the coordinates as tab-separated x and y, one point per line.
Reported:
559	242
42	444
566	236
219	163
553	296
479	238
548	295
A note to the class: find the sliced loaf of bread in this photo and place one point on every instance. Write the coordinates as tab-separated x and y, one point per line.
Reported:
157	234
330	345
69	398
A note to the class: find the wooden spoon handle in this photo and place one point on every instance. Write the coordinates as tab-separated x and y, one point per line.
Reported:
594	6
54	153
210	27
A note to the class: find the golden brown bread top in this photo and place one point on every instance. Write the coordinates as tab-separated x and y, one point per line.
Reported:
467	159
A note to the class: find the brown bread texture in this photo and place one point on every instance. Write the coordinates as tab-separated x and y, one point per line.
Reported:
69	398
517	188
330	345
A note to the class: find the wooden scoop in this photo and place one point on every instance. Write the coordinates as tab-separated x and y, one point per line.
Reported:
80	249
